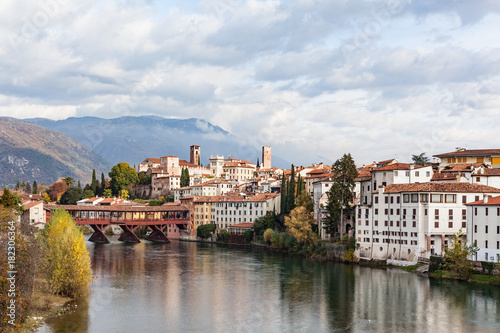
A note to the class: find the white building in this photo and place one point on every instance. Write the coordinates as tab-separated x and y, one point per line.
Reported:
483	225
408	221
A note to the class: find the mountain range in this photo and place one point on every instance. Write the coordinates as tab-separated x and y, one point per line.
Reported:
133	139
30	152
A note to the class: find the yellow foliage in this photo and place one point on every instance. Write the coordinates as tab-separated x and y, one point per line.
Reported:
69	271
267	235
299	225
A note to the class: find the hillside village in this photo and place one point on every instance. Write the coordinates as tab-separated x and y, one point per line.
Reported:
402	212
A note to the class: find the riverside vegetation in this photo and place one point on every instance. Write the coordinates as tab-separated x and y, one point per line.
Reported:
52	267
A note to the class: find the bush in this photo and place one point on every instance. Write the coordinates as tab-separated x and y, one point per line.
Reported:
435	263
248	235
223	236
267	236
277	240
488	267
289	241
205	231
68	261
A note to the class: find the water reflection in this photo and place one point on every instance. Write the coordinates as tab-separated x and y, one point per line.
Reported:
201	287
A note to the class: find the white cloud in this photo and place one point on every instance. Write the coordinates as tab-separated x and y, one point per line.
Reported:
376	78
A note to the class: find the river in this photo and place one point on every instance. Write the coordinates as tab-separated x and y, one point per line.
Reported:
192	287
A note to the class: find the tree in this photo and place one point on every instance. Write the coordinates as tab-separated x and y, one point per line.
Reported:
10	200
291	192
68	261
457	257
283	191
69	181
184	177
305	200
124	194
46	197
27	188
300	185
107	193
103	185
57	189
18	186
122	175
144	178
88	194
420	159
94	185
299	224
71	196
340	196
258	164
34	187
205	231
262	223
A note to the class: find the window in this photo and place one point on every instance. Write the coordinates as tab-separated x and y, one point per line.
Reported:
425	212
486	211
464	214
498	229
450	198
376	223
404	224
427	173
486	246
414	197
450	224
386	211
476	198
464	199
475	229
414	224
417	174
397	211
392	223
475	211
386	199
436	224
464	225
397	200
480	159
395	173
478	179
406	198
407	173
450	213
436	198
385	223
392	211
436	213
366	222
485	229
424	197
376	211
376	199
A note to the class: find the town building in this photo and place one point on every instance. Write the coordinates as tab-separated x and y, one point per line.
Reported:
490	157
409	221
483	228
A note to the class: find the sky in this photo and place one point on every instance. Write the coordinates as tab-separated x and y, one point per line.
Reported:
314	79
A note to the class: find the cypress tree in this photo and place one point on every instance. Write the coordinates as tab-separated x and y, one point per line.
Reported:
300	184
34	187
283	194
291	191
258	164
103	184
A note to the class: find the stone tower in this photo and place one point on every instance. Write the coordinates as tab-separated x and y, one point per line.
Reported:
194	156
266	157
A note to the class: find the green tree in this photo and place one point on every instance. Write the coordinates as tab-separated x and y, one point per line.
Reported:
122	175
34	187
299	224
71	196
68	261
107	193
184	177
94	185
18	186
258	164
300	185
12	201
124	194
305	200
27	188
283	191
87	194
262	223
457	257
291	192
420	159
103	184
340	196
144	178
69	181
205	231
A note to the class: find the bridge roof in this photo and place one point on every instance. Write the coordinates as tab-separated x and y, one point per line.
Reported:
120	208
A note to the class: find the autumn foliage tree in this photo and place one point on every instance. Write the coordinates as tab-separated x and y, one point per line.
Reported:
68	260
299	224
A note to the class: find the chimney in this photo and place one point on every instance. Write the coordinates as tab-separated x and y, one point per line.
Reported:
486	198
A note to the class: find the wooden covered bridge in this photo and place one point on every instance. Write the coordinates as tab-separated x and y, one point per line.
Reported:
128	218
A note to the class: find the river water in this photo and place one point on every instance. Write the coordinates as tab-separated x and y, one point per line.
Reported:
192	287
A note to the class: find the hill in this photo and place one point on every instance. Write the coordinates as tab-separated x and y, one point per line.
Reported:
132	139
30	152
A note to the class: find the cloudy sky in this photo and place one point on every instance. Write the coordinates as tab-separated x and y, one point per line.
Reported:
379	79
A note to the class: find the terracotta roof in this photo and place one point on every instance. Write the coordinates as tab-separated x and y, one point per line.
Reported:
32	204
316	171
440	187
239	164
487	172
169	156
189	164
461	167
226	198
470	152
491	201
385	162
444	176
241	225
153	159
399	166
119	208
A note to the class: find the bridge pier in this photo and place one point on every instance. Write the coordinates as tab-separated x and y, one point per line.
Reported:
158	235
128	234
98	236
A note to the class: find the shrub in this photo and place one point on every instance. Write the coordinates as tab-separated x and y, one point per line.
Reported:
68	261
205	231
267	235
248	235
435	263
289	241
223	236
488	267
277	240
